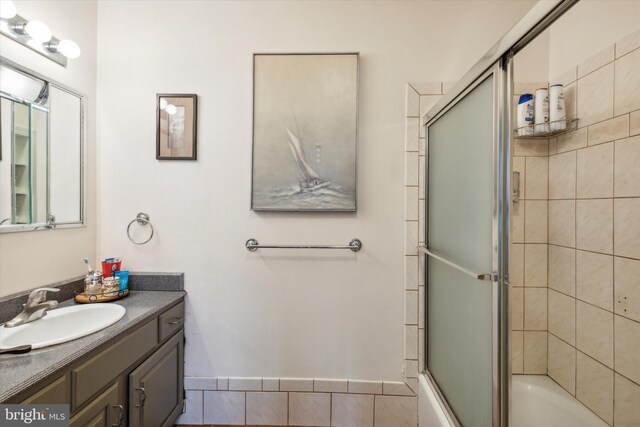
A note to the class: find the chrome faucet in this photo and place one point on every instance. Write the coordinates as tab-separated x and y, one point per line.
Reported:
35	308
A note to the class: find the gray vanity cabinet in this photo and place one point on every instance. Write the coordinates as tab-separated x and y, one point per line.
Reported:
103	411
155	387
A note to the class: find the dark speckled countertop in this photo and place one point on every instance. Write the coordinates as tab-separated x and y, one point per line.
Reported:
20	371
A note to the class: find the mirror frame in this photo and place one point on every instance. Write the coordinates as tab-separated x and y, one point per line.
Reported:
42	226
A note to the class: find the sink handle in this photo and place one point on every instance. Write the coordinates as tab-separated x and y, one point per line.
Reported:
143	396
120	415
39	295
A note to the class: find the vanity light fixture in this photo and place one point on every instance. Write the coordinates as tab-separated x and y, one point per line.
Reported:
35	35
7	9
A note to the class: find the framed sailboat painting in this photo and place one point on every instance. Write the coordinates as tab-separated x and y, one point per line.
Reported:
305	117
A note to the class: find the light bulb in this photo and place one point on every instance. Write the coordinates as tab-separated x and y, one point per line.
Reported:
7	9
163	103
38	31
171	109
69	49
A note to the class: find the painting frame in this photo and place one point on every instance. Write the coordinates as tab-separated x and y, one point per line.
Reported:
260	207
186	142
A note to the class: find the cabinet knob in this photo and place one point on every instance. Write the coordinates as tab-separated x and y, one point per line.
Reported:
175	321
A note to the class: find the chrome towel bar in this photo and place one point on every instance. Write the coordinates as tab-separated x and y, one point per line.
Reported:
490	277
354	245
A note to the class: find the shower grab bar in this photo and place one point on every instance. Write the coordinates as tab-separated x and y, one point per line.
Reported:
354	245
490	277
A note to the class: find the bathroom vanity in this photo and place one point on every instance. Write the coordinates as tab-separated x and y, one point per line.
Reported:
130	373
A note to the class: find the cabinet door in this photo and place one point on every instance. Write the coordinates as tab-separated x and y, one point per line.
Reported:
104	411
155	387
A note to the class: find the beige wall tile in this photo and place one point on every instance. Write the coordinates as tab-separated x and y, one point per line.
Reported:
411	132
572	140
516	265
553	145
296	384
595	172
626	408
267	408
520	88
562	176
608	130
535	309
562	269
627	337
412	102
594	387
594	279
634	123
348	410
594	225
562	222
595	96
244	383
517	308
627	287
537	179
535	353
366	387
427	88
393	411
411	307
271	384
596	61
411	169
562	316
421	175
628	43
627	167
399	388
565	78
627	227
562	363
411	237
532	147
535	265
517	222
411	203
535	230
570	101
309	409
447	86
627	93
194	408
517	352
594	332
224	407
411	272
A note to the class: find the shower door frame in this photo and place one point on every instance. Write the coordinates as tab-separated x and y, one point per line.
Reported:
499	62
499	235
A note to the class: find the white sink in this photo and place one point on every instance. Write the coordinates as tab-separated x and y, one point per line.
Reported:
62	325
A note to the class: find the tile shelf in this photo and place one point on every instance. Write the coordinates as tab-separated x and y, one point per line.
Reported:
570	126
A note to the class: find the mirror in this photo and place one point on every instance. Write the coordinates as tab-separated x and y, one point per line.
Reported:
41	151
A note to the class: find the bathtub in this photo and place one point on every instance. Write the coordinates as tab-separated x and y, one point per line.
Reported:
538	401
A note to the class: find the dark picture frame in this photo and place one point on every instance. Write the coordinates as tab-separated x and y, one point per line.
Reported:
176	126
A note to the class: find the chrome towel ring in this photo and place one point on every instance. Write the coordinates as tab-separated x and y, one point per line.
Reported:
142	219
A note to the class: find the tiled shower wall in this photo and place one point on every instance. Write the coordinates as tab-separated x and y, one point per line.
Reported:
586	195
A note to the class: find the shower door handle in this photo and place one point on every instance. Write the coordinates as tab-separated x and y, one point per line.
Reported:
489	277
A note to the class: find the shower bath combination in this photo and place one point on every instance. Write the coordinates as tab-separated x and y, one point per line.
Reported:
520	228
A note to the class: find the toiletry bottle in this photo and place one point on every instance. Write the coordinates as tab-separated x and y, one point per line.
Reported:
525	115
557	115
541	116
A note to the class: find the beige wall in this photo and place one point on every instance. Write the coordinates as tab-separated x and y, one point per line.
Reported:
36	258
272	313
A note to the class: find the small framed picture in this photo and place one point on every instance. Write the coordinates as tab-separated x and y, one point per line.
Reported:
176	126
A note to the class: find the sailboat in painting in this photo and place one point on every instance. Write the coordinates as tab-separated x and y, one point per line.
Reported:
309	179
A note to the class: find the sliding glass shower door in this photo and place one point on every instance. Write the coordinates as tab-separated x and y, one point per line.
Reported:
463	252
